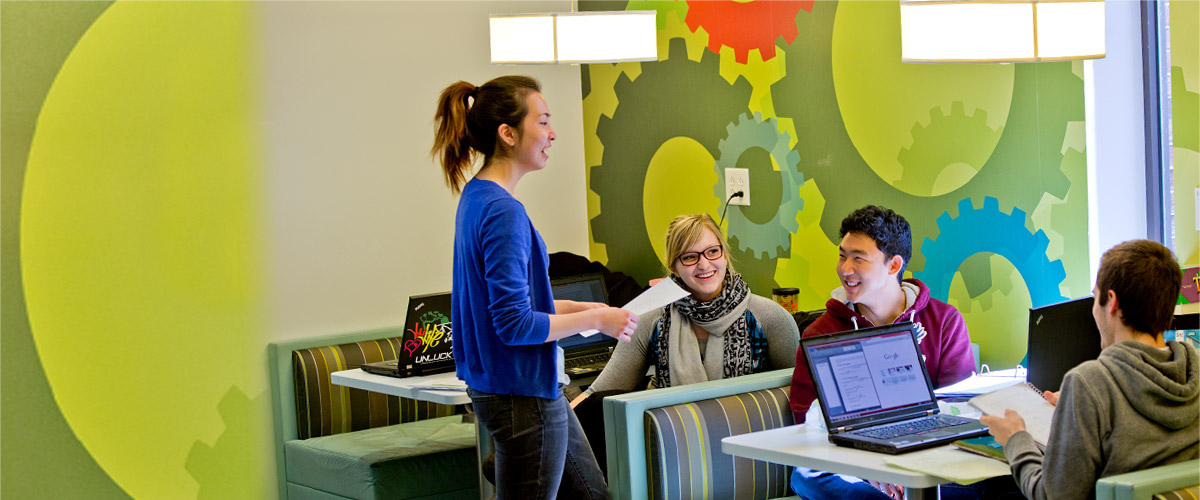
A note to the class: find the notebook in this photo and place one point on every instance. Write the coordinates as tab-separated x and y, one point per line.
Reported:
876	394
1061	336
426	345
1026	400
583	356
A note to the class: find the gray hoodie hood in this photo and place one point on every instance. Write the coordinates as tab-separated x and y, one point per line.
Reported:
1166	381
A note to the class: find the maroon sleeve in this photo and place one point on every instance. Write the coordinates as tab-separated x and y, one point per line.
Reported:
802	392
956	361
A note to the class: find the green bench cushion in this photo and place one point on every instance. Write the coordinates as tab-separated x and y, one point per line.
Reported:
412	460
323	409
683	447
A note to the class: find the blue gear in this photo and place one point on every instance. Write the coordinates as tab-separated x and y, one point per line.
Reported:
988	229
776	234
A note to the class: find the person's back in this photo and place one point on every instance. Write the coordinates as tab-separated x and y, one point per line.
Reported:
1136	407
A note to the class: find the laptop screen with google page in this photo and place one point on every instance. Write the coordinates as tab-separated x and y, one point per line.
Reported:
865	376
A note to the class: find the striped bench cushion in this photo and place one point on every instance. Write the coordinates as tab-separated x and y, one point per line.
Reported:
683	447
1180	494
323	409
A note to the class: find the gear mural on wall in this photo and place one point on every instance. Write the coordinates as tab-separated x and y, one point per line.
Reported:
772	238
987	229
963	133
652	110
1023	165
943	153
210	464
743	26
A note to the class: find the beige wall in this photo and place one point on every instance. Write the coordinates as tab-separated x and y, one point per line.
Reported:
358	215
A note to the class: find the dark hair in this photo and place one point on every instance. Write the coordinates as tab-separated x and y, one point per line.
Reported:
890	231
468	118
1146	278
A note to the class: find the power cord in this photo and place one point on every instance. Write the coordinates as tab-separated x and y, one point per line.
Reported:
736	194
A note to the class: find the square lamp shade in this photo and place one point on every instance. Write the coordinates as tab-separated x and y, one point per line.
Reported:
574	37
938	31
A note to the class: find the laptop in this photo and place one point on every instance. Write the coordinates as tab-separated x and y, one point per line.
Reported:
1061	336
426	345
583	356
876	394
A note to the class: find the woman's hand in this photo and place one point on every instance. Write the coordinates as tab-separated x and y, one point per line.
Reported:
1004	427
616	322
1051	397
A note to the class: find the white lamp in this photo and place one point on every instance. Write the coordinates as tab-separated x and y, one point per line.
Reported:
1001	30
574	37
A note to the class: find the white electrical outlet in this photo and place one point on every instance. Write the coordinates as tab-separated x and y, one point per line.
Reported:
737	179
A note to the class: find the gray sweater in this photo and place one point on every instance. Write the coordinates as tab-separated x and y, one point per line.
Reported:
1133	408
630	360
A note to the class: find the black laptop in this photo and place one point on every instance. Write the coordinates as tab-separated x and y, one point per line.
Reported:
1061	336
426	345
876	394
583	356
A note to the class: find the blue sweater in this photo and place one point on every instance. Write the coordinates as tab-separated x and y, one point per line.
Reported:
501	299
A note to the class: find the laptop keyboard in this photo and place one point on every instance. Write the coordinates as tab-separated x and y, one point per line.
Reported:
911	427
591	359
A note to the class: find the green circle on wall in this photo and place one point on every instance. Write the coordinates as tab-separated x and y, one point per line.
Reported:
926	129
679	180
139	246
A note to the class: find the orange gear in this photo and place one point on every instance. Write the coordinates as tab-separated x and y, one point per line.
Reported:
742	26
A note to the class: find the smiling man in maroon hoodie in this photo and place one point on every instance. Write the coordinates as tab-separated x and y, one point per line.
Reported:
874	251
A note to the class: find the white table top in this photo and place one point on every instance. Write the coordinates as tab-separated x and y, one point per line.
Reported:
807	445
408	387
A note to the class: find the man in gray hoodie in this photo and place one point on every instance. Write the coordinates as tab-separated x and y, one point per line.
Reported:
1133	408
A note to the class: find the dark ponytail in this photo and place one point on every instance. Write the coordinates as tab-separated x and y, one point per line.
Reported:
468	119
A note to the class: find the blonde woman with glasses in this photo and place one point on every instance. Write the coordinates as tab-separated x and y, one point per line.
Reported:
719	331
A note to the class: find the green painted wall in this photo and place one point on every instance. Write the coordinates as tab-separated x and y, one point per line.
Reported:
132	339
1185	125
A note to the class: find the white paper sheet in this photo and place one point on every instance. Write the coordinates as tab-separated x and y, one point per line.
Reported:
662	293
949	463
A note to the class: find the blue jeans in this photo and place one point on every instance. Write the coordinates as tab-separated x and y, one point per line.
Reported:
541	451
817	485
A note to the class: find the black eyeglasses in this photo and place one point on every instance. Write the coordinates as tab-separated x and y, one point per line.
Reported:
711	253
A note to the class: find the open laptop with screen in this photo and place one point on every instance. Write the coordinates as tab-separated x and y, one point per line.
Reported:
426	345
583	356
1061	336
876	394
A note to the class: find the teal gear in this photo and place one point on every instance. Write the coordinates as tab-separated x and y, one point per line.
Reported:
987	229
772	238
653	109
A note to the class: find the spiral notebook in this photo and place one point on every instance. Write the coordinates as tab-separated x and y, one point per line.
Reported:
1027	401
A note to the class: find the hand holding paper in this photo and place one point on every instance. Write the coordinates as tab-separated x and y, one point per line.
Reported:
662	293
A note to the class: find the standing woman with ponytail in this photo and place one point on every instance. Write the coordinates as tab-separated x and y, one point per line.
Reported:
506	322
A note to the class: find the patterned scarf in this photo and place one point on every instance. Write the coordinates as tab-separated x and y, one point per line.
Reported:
724	317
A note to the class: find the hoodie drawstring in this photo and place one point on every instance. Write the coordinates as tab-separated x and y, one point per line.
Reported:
854	319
